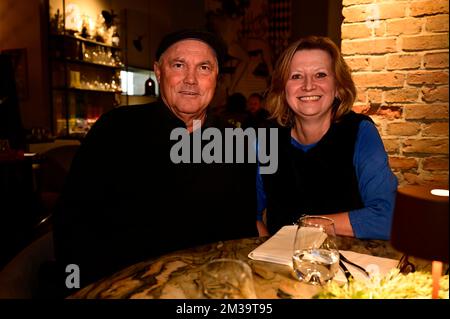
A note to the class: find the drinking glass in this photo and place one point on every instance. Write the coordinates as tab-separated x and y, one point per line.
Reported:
227	279
316	257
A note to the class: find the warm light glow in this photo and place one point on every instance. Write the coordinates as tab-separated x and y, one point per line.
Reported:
92	120
440	192
436	272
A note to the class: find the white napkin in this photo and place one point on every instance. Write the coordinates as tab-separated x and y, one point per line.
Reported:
373	264
279	248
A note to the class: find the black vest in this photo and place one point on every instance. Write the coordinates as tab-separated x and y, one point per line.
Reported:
319	181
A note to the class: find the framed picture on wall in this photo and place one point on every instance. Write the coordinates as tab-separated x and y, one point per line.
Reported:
20	67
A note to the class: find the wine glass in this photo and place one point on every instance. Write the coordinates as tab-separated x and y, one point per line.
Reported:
316	257
227	279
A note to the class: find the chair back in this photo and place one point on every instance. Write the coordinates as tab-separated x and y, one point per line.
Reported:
55	167
19	279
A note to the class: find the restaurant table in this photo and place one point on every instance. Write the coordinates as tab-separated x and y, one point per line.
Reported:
175	275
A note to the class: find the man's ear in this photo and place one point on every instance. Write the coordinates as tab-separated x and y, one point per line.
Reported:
157	71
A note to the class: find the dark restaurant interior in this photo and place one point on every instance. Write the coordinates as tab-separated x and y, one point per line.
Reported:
64	63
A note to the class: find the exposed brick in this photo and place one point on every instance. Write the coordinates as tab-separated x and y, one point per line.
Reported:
360	108
437	23
426	145
435	163
379	79
361	96
375	96
377	63
357	64
425	42
397	162
435	60
424	77
378	123
399	175
359	13
411	178
435	129
380	29
410	39
355	31
428	7
403	26
432	180
391	10
347	3
372	46
401	95
354	13
391	145
390	112
373	109
403	61
426	111
435	94
403	129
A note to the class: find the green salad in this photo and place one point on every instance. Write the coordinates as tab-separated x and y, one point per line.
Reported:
394	285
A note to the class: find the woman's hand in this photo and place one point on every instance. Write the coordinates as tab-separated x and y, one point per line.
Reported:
262	229
342	224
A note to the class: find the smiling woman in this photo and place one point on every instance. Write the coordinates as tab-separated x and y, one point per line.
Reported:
324	147
310	92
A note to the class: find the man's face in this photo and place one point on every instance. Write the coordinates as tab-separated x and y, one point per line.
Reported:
187	74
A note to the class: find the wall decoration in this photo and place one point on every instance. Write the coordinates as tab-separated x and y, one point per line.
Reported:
255	32
280	25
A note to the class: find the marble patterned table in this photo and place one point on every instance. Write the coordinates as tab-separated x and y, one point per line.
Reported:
175	275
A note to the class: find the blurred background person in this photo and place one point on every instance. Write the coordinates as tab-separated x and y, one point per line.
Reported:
255	105
235	112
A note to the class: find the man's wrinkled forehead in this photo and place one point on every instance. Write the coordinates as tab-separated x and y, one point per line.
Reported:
211	40
180	48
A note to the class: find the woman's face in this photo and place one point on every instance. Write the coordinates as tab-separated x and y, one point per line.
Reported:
311	86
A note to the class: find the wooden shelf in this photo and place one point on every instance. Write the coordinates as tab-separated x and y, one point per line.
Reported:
86	40
85	90
73	61
82	62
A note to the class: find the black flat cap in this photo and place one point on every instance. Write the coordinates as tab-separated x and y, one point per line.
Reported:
209	38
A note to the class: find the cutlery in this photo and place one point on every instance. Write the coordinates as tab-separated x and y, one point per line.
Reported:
343	258
347	273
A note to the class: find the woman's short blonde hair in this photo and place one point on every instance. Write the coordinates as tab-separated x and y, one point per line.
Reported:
276	97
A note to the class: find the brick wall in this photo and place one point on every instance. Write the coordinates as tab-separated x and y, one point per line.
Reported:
398	51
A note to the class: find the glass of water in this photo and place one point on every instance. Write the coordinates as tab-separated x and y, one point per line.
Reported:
316	257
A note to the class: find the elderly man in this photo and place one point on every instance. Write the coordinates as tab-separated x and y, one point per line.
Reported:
125	200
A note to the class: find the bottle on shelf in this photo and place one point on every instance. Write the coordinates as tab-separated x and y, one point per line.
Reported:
150	87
